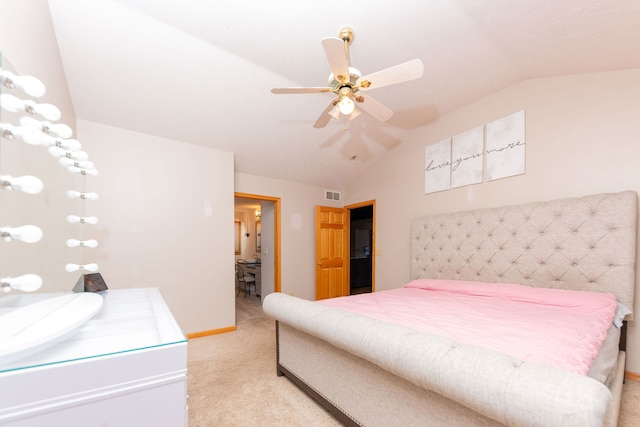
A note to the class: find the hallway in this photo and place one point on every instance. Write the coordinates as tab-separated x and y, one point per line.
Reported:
248	308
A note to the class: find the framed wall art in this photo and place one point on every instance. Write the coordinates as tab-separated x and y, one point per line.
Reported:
437	171
505	146
467	157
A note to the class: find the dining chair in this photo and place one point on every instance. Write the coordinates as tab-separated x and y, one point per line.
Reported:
244	281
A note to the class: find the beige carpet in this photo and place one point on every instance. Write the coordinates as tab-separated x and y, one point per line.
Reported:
630	406
233	381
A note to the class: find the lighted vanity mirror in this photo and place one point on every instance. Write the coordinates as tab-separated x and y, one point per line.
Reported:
237	232
48	210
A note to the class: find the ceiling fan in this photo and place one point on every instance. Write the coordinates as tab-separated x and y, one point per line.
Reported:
348	84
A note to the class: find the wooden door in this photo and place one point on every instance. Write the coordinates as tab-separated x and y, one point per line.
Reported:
330	252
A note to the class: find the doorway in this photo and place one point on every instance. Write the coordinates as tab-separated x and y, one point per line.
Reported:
259	218
361	248
345	246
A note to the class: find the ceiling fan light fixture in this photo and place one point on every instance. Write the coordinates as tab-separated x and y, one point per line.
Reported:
346	82
335	113
346	105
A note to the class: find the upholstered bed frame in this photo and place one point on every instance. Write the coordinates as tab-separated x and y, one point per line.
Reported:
371	373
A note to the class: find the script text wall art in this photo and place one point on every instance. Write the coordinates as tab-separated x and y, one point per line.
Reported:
460	160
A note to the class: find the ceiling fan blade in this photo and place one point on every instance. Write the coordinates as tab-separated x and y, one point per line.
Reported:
400	73
375	108
338	55
289	90
325	116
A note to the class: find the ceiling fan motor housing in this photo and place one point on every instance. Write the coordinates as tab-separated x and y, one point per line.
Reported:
346	34
336	85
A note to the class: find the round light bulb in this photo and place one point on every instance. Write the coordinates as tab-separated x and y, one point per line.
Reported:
89	220
65	161
29	84
69	144
79	155
75	155
86	267
81	170
57	151
58	129
78	195
27	184
346	105
16	105
11	103
74	219
90	267
72	267
26	283
25	233
23	133
74	243
46	111
63	144
91	243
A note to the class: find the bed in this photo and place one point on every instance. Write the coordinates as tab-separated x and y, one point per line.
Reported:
373	372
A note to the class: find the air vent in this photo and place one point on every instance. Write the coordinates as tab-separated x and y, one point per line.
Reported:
331	195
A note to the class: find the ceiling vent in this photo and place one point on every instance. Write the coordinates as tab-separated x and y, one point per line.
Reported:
331	195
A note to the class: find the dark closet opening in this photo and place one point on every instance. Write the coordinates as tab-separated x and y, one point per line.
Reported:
361	238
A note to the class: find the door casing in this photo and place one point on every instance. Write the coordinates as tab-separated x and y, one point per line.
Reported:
276	232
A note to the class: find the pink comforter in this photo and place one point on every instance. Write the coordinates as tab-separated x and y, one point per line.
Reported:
550	326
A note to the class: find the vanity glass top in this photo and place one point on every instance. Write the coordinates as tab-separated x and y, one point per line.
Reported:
129	320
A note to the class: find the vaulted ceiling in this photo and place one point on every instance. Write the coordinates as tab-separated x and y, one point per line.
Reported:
200	71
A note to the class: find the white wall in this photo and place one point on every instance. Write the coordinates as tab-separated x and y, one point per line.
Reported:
165	212
582	137
297	206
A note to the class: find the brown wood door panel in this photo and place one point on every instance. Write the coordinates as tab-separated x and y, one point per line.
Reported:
330	246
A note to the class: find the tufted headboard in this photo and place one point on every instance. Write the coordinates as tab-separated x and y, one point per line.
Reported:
585	243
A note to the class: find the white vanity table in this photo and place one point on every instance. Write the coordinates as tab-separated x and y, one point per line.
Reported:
127	366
